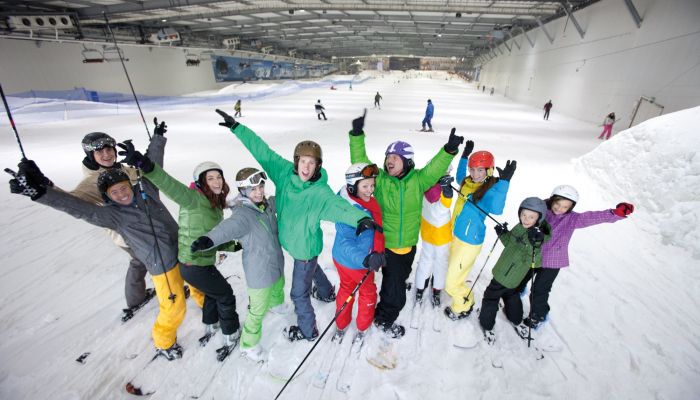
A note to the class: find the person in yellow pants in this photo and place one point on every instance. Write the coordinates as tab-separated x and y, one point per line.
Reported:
480	193
170	312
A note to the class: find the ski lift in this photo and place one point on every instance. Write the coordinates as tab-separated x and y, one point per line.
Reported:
92	56
114	53
192	60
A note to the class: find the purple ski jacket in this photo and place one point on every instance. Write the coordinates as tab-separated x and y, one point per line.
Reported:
555	252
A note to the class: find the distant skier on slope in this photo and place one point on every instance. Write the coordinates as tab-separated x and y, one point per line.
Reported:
320	110
237	108
547	106
377	98
429	109
555	253
608	123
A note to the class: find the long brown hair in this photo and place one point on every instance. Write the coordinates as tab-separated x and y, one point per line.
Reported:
216	200
481	190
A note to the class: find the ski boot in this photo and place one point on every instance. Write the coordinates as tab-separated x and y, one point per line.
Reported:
338	336
522	330
230	341
394	330
209	331
294	334
533	322
490	337
419	296
172	353
316	295
435	298
457	316
254	354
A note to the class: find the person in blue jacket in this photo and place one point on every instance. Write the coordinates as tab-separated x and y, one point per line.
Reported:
428	117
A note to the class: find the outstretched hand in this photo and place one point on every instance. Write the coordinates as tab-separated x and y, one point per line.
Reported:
134	157
229	121
358	124
28	180
453	142
159	129
506	173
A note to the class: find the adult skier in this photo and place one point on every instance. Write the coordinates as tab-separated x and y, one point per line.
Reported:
377	98
547	106
428	117
320	110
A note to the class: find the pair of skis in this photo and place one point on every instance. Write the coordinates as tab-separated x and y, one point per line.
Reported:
347	368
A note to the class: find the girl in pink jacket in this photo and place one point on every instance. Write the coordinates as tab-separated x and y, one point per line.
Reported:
555	252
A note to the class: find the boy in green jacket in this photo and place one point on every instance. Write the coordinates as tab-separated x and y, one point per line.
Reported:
400	187
521	254
303	200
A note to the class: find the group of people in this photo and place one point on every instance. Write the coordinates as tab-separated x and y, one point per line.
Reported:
607	124
379	214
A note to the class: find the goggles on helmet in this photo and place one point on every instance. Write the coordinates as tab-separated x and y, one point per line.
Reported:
369	171
99	144
253	180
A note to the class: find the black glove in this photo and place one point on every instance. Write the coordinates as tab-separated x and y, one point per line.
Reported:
135	158
374	261
468	147
229	122
506	173
367	223
453	142
446	185
501	229
536	236
160	129
357	125
202	243
29	180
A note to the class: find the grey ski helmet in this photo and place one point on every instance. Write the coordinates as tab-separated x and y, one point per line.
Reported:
534	204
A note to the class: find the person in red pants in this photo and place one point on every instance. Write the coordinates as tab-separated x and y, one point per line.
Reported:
354	255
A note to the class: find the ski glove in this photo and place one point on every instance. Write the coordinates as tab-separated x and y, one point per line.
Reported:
367	223
202	243
229	122
501	229
623	209
446	185
29	180
468	147
374	261
536	236
506	173
453	142
134	157
160	129
357	125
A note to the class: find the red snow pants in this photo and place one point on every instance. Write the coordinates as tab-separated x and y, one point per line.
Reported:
366	297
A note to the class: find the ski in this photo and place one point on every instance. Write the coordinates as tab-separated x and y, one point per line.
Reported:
345	376
331	353
128	313
131	388
464	335
205	339
416	314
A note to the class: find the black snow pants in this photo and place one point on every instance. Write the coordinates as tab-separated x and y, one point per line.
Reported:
392	295
219	301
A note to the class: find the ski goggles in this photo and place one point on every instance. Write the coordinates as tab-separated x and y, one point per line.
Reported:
253	180
370	171
100	144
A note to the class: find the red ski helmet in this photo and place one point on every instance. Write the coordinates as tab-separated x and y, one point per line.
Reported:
481	159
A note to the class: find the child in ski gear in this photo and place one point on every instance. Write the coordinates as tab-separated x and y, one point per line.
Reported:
547	107
377	97
400	188
253	223
320	110
608	123
201	209
436	235
237	108
142	221
428	117
303	200
555	253
480	193
353	255
101	155
521	253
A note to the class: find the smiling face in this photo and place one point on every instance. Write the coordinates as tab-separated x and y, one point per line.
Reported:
562	206
306	167
214	181
105	156
477	174
365	188
393	164
257	193
121	193
528	218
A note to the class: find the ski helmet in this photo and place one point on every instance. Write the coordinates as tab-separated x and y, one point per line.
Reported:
357	172
108	178
250	177
401	149
97	141
203	168
567	192
481	159
308	148
534	204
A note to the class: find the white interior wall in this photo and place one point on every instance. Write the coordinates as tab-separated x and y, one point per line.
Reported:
612	66
25	66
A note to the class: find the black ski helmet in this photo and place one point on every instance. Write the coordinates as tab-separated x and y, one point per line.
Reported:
108	178
534	204
97	141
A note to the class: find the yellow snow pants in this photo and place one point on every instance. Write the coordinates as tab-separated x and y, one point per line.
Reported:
461	261
170	313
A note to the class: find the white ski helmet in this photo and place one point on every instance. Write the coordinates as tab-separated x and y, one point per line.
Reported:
204	167
358	172
567	192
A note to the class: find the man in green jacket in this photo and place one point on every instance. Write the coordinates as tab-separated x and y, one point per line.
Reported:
303	200
400	188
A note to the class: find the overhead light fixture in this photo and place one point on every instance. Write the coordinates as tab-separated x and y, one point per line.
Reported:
163	20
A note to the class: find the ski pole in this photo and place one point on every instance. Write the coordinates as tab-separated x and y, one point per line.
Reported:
139	181
342	307
119	52
12	122
467	199
466	298
532	283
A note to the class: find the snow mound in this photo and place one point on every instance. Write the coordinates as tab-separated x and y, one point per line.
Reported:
656	166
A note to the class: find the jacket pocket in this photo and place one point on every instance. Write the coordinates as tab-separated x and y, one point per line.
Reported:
509	269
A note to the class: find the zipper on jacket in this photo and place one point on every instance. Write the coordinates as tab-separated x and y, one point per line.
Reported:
400	214
509	268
